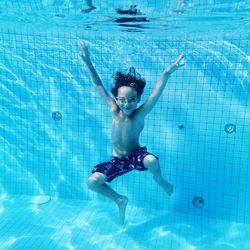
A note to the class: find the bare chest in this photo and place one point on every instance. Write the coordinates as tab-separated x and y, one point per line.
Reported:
121	126
126	130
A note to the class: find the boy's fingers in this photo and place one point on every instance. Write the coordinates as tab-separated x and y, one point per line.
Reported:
180	57
82	44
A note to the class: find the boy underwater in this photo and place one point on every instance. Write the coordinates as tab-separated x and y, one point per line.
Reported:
127	125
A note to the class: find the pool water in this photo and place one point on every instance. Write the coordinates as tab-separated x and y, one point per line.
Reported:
54	127
76	224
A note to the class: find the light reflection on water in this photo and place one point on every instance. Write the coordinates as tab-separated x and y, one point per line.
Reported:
164	16
67	224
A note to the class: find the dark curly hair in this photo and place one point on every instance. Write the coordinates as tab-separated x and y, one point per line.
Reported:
132	79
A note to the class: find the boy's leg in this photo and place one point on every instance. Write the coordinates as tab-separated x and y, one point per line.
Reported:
152	164
96	182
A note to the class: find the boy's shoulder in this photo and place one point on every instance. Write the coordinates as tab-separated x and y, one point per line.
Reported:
140	112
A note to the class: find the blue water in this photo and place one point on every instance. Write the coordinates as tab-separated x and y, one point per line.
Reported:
54	128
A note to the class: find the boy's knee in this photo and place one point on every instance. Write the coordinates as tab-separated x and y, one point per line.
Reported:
95	180
151	163
91	182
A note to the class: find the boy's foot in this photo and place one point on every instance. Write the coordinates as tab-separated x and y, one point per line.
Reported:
168	188
122	204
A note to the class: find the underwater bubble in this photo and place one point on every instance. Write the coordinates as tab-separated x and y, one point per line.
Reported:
230	128
198	202
56	115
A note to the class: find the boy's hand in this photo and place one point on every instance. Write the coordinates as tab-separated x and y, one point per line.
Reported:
85	52
174	66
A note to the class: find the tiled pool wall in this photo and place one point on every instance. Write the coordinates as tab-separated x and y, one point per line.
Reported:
55	128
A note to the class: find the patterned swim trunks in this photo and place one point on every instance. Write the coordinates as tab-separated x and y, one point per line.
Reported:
118	166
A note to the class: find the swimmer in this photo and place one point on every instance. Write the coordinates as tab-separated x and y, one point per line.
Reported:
127	125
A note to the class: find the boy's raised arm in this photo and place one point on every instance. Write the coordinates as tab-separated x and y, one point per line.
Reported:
153	98
95	77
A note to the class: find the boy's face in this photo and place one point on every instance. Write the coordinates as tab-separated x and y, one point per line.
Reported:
127	99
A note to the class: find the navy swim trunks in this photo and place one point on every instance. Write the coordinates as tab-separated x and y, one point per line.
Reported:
118	166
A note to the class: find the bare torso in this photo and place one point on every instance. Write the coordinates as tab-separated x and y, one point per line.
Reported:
126	132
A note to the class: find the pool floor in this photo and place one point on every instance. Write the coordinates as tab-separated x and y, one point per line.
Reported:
74	224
